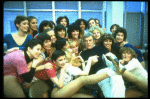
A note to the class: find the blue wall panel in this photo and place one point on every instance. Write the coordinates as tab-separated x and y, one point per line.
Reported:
66	5
91	5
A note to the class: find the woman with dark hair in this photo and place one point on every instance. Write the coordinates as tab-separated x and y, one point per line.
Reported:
43	25
114	27
73	32
32	25
91	22
120	36
18	40
98	23
52	24
63	20
83	26
60	31
108	41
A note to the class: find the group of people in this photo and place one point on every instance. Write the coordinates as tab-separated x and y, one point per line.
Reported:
65	61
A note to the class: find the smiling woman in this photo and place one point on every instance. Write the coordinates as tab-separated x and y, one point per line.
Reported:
18	40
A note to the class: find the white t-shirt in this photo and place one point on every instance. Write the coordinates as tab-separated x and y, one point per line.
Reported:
69	74
135	67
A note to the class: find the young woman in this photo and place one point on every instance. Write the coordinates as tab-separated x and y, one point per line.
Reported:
91	22
63	20
43	25
83	26
73	86
60	31
73	33
120	36
18	40
108	42
51	33
32	26
97	31
114	27
98	23
63	44
20	66
52	24
130	62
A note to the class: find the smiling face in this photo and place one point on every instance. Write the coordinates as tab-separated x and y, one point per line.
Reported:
119	37
126	56
74	47
97	22
89	42
34	52
107	43
114	29
75	34
82	26
60	61
52	35
61	33
63	22
97	34
33	24
47	44
23	26
92	23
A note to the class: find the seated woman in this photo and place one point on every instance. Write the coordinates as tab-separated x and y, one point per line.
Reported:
97	31
108	42
18	40
63	44
130	62
66	73
120	36
20	66
136	77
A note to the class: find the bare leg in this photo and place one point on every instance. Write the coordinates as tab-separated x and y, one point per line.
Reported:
12	88
72	87
133	93
81	95
140	82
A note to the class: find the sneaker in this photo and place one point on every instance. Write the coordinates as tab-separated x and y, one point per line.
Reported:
112	64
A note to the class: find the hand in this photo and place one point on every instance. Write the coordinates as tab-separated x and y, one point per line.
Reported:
37	61
80	58
122	61
93	59
47	59
48	66
12	49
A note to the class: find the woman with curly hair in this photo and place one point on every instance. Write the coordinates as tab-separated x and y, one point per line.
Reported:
83	26
97	31
108	42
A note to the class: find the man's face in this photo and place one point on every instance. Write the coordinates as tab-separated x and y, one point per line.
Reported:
89	42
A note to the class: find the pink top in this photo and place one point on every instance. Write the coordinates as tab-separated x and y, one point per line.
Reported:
15	64
46	73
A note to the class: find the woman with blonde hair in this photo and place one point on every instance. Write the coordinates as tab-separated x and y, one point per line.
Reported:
97	31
